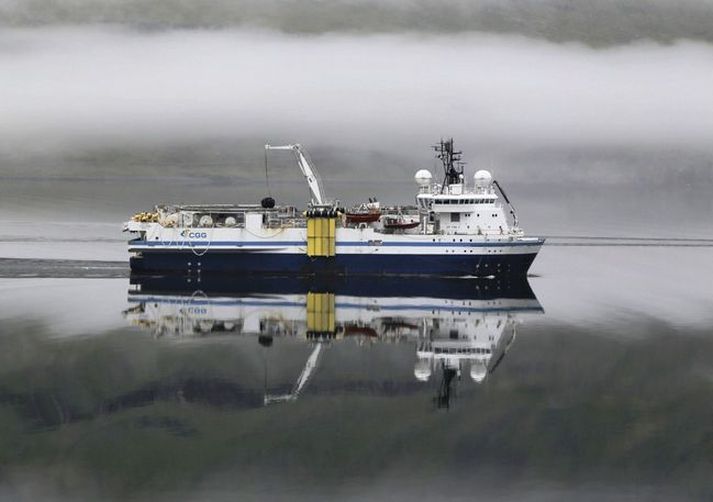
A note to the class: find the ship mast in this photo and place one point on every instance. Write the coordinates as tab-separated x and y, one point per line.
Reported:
451	160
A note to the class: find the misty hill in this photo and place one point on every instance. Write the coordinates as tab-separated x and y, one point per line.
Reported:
600	23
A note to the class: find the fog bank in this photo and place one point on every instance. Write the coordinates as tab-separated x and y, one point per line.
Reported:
74	88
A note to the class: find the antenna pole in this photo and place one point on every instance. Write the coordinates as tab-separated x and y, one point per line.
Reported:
451	161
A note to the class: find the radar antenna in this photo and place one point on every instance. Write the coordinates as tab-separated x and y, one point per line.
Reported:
451	160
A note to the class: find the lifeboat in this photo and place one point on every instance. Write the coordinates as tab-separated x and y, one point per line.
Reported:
363	217
400	224
360	331
365	213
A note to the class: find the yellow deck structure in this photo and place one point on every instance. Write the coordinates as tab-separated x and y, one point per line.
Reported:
321	235
320	313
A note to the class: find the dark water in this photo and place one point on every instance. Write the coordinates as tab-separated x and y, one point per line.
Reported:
592	381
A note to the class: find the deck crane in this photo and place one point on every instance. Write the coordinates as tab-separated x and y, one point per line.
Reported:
308	170
304	377
512	208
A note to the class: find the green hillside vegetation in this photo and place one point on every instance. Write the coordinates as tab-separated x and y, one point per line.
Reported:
601	23
124	412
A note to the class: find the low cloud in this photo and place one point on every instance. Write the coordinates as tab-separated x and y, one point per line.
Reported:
71	87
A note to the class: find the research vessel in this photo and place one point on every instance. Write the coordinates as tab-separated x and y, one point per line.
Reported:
456	228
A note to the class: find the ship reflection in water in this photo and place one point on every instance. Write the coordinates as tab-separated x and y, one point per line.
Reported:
455	328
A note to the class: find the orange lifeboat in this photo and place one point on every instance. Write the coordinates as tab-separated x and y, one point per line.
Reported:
365	217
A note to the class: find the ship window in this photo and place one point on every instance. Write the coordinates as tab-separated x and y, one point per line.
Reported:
455	217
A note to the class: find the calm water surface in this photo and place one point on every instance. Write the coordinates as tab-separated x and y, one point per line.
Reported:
594	380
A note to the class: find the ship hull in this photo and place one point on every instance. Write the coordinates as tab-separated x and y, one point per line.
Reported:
399	287
220	261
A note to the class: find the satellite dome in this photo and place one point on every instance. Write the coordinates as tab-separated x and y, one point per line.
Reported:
422	370
478	371
482	178
423	177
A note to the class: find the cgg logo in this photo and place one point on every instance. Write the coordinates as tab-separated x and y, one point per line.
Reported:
194	235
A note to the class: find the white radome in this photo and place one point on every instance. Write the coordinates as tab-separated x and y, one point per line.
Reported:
482	178
478	371
422	370
423	177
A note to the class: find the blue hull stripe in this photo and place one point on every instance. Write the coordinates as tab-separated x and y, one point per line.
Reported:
205	244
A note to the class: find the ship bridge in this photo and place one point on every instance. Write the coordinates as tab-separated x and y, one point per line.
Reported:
461	209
